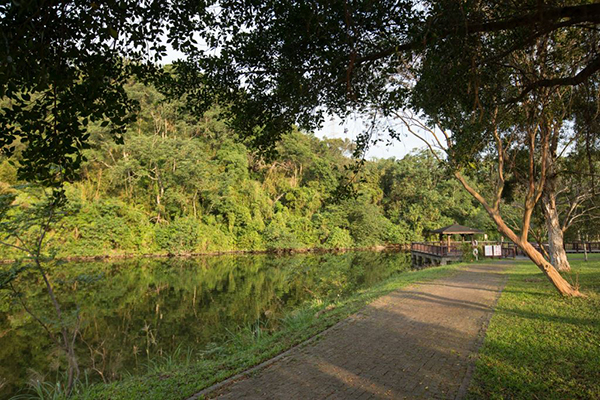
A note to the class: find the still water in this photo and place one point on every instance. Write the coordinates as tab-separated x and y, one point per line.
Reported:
134	311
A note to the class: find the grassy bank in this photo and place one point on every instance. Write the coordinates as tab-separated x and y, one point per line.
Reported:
181	375
540	345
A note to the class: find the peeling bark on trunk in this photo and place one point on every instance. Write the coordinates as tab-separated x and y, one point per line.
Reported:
540	138
560	283
558	256
542	249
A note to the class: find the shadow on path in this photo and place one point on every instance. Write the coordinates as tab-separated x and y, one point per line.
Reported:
414	343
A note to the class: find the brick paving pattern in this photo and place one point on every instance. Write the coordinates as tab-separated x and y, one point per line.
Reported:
416	343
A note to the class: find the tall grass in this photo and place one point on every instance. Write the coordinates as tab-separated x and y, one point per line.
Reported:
38	389
179	358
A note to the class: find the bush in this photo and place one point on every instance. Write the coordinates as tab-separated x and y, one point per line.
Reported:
368	226
213	238
338	239
278	235
101	227
180	236
251	240
397	234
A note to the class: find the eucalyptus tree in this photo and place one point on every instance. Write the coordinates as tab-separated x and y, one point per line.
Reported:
576	194
498	110
569	197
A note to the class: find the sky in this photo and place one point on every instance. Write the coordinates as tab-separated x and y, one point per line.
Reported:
335	128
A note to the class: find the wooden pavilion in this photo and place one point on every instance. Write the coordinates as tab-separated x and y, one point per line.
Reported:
445	251
455	229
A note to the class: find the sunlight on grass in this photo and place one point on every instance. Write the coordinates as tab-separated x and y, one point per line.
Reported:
540	345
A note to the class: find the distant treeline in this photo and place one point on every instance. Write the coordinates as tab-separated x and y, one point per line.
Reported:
181	184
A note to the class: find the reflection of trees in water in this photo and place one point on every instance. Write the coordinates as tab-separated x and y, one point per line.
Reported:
134	310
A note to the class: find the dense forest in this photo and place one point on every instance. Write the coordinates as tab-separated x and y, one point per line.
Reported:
180	184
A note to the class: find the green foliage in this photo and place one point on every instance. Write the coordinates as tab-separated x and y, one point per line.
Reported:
278	235
367	224
41	390
180	184
251	240
8	173
102	227
180	236
64	69
417	192
214	238
338	238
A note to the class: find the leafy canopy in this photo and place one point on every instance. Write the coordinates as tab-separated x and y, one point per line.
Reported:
63	66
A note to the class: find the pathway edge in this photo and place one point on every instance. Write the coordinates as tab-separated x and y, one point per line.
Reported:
466	382
215	387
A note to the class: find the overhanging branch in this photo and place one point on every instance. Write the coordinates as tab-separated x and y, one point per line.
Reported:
543	20
579	78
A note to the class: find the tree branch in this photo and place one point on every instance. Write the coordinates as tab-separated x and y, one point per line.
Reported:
582	76
569	15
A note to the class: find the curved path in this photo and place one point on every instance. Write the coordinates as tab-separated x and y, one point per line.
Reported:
418	342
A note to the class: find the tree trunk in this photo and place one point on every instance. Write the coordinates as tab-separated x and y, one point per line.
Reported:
558	256
73	369
533	195
551	273
560	283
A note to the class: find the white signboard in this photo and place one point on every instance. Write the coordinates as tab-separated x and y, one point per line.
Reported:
488	250
497	250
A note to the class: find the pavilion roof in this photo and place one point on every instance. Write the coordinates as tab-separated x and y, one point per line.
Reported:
456	229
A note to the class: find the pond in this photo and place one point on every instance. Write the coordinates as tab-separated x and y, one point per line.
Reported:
137	310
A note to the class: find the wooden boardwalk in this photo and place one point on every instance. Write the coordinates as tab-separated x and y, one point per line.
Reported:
442	253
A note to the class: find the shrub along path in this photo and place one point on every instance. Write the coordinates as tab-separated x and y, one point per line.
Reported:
419	342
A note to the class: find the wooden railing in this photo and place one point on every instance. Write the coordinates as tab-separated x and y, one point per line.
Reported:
442	249
509	249
580	247
571	247
439	249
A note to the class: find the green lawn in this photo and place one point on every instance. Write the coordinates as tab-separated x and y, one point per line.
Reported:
180	377
540	345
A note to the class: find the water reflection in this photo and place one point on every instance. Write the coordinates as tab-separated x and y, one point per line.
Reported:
134	310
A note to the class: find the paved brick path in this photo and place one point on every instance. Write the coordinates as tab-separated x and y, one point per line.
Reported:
413	343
